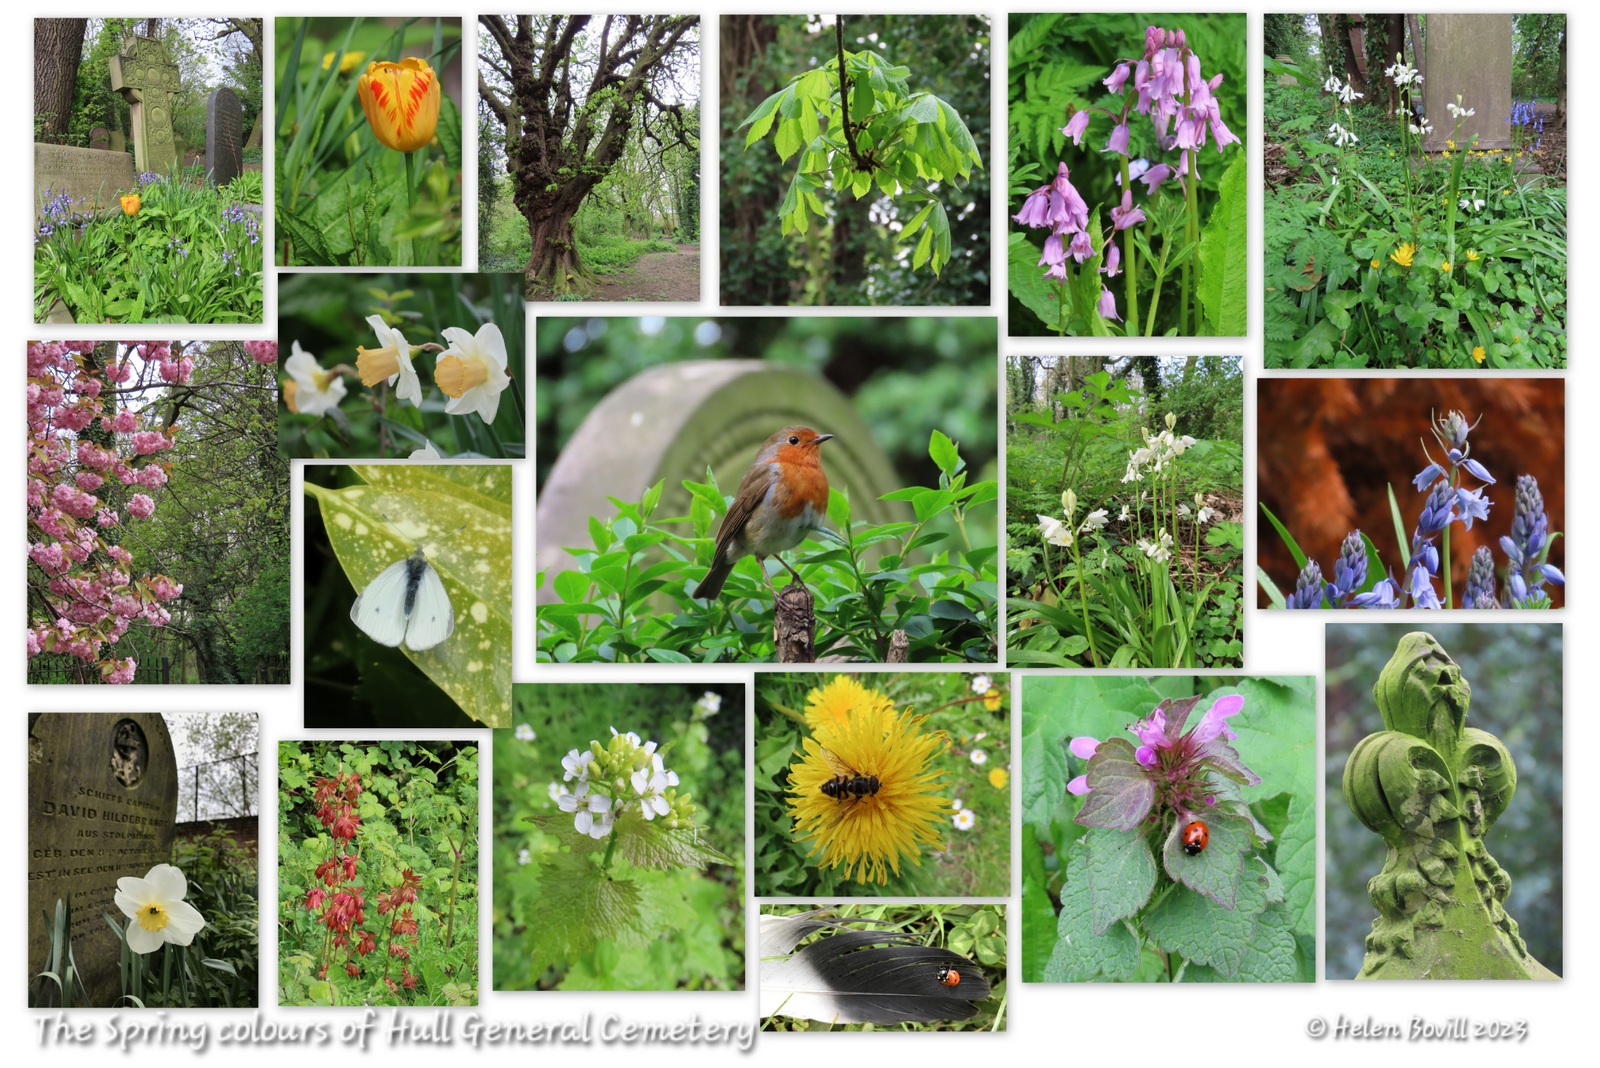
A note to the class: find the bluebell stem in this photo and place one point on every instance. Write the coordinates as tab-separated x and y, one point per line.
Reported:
1480	581
1526	546
1307	588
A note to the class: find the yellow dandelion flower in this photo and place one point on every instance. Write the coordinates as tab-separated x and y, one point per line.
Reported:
871	835
992	700
1403	254
1478	353
1472	255
998	778
842	700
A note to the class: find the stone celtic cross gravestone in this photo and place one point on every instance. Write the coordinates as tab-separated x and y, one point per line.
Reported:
102	800
1432	787
148	79
224	137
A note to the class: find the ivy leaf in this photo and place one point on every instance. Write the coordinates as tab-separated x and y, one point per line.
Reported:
1080	954
1120	791
1122	874
1214	871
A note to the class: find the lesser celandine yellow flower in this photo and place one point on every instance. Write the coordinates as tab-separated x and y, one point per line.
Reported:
130	203
1403	254
158	912
389	363
871	835
1478	353
401	101
472	371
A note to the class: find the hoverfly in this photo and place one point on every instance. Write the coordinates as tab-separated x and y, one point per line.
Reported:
847	782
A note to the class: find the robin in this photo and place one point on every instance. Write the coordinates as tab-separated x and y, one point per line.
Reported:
782	498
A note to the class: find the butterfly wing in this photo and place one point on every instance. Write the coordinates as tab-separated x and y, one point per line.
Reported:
433	618
380	611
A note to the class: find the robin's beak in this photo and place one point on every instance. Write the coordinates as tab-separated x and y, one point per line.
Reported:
820	438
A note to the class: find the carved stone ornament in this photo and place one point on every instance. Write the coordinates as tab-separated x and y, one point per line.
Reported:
1432	787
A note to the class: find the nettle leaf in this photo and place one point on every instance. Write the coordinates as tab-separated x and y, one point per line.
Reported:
1205	932
1081	955
460	516
1120	791
1044	772
1122	874
1214	871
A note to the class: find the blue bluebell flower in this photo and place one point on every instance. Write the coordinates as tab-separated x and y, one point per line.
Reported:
1308	588
1527	545
1479	592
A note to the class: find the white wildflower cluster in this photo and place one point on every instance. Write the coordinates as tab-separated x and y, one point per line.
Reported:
708	705
606	781
1345	91
1056	532
1159	549
1342	136
1423	130
1402	74
1159	450
1472	203
1458	112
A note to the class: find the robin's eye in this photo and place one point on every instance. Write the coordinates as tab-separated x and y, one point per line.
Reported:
794	439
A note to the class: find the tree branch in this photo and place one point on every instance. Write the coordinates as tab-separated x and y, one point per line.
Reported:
844	97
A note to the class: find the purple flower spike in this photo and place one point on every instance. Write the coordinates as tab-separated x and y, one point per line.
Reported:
1307	588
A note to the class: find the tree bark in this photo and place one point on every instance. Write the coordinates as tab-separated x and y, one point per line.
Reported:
794	625
1561	73
57	48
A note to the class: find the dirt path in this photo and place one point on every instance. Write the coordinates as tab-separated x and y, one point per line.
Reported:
666	276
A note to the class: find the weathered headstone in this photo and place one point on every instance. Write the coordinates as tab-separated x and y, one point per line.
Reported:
100	137
102	799
148	79
119	141
224	137
1468	56
684	417
1433	787
93	179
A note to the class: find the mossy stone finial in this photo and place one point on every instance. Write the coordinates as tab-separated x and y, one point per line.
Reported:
1432	787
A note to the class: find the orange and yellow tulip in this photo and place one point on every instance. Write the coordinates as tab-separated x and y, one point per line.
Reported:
130	203
401	101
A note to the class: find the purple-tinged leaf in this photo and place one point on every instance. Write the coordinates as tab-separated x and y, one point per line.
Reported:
1120	790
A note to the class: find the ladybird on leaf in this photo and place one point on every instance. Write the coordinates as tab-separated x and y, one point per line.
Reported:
1196	836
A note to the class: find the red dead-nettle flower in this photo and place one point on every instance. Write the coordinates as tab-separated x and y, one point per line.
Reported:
1193	774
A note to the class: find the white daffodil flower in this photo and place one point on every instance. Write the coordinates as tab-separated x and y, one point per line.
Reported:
158	913
310	390
390	362
472	371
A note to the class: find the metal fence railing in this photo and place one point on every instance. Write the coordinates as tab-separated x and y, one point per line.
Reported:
219	789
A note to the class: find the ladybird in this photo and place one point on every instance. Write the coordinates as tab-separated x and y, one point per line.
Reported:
1196	836
949	977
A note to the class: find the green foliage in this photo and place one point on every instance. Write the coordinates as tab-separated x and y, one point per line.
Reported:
187	256
975	932
860	249
648	907
1134	906
461	517
1103	599
418	811
224	880
325	314
1381	256
1536	55
630	596
891	138
975	860
1185	268
342	196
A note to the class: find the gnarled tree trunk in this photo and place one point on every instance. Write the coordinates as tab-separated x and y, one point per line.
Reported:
57	47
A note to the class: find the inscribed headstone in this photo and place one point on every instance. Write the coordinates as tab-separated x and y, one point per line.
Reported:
1469	56
148	79
224	137
93	179
102	798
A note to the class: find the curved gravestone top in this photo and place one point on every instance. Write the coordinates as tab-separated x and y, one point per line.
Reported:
673	421
102	803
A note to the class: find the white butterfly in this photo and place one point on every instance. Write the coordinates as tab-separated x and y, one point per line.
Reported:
407	603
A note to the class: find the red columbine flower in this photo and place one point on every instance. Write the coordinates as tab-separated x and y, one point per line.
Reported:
351	970
408	980
367	943
349	865
314	898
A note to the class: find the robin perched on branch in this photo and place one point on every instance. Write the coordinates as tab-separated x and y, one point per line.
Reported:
781	499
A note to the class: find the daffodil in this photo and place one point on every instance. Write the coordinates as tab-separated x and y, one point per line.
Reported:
348	63
1403	254
427	452
472	371
401	101
389	363
310	389
158	912
870	836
